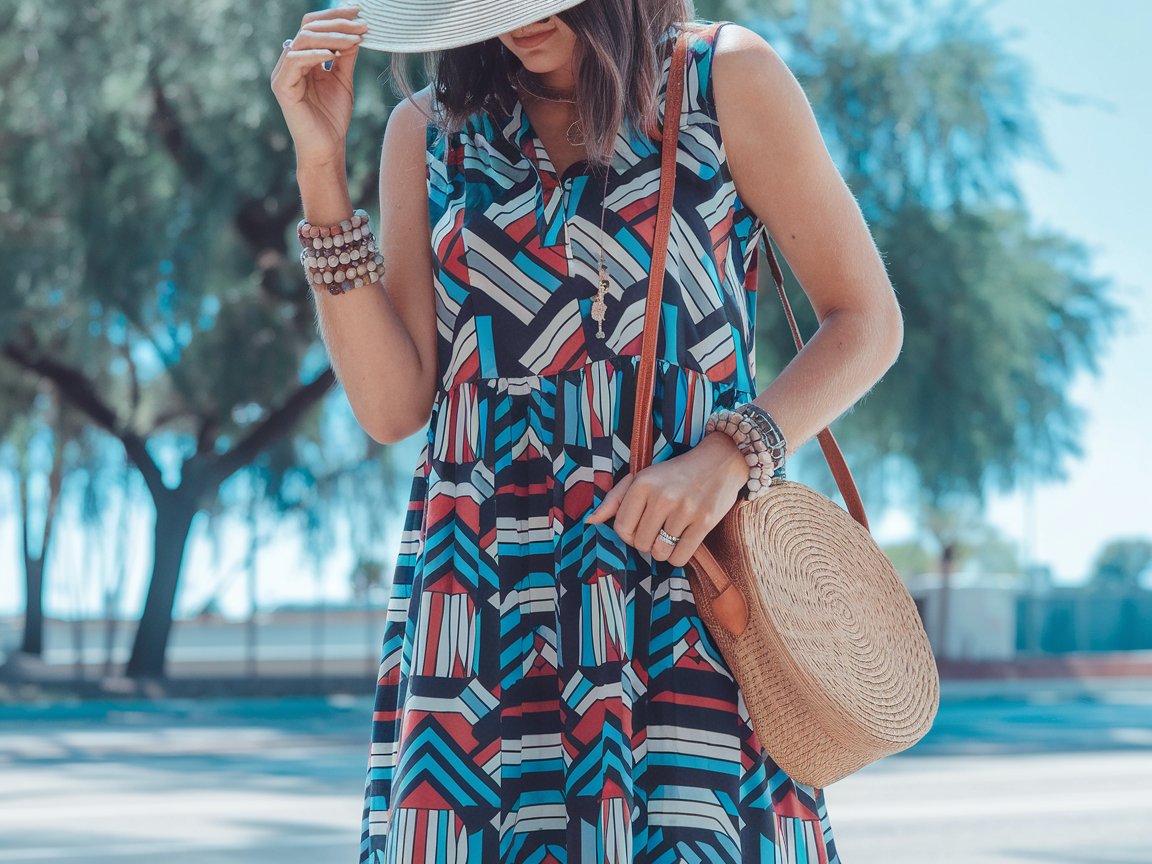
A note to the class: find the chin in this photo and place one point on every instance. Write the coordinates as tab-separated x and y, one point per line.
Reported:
541	65
552	55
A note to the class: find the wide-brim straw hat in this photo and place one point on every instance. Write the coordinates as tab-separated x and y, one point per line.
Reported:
411	26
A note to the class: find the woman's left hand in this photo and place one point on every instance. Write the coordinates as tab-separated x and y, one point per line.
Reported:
686	495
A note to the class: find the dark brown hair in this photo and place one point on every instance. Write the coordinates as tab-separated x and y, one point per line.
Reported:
619	55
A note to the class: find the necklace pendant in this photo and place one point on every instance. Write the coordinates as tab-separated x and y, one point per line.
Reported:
599	307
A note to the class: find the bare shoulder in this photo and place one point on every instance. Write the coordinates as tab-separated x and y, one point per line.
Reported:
747	70
409	119
783	171
418	109
403	166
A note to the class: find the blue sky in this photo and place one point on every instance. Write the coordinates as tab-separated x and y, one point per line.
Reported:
1090	80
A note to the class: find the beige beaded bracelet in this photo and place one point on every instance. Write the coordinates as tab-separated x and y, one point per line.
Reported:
764	460
340	257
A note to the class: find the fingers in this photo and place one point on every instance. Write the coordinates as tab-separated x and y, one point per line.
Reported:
338	31
607	508
690	539
331	40
646	536
356	26
312	47
630	509
335	12
295	64
677	525
644	510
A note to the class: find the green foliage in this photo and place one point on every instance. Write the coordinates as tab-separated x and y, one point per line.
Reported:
926	113
155	177
1122	563
150	175
910	558
923	104
998	322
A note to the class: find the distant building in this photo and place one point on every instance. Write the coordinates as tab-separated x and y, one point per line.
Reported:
993	616
981	613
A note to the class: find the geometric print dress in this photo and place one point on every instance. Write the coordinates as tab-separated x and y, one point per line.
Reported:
547	694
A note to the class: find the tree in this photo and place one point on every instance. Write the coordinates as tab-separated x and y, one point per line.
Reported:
49	423
153	182
1121	563
32	640
925	113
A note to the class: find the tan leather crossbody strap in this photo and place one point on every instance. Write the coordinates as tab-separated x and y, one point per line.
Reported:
641	450
642	434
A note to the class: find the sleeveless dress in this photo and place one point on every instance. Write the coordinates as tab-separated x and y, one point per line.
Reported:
546	693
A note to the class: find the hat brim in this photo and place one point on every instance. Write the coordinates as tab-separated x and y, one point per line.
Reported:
413	26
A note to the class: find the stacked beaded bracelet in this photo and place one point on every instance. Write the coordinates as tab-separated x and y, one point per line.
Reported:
340	257
760	440
777	446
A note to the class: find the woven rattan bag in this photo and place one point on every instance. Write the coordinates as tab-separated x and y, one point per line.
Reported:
822	636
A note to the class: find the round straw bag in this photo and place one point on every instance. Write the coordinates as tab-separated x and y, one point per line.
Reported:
821	635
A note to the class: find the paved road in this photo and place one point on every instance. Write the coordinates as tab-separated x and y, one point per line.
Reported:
1050	778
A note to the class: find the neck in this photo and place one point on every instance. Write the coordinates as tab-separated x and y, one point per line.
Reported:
544	93
559	83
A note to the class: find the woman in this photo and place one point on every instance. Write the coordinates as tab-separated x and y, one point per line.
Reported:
547	690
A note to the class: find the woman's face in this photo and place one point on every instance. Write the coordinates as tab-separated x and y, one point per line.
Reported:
543	46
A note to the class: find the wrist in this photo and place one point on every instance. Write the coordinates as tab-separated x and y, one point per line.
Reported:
324	191
734	461
320	158
322	164
341	256
758	438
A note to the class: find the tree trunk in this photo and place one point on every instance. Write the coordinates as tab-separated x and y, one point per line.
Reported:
947	558
33	641
174	514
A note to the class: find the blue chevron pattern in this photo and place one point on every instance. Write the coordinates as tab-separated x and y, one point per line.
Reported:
547	694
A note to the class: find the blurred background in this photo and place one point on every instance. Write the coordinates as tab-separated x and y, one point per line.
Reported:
196	538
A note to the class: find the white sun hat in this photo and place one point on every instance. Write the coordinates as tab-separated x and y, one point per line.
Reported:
410	26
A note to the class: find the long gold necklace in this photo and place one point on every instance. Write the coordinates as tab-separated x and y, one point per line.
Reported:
599	305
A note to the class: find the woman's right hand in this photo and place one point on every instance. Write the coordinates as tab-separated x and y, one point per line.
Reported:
317	103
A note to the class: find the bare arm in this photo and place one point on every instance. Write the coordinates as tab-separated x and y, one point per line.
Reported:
381	338
784	173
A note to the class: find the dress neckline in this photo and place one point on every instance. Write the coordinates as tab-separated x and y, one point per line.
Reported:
525	136
518	129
